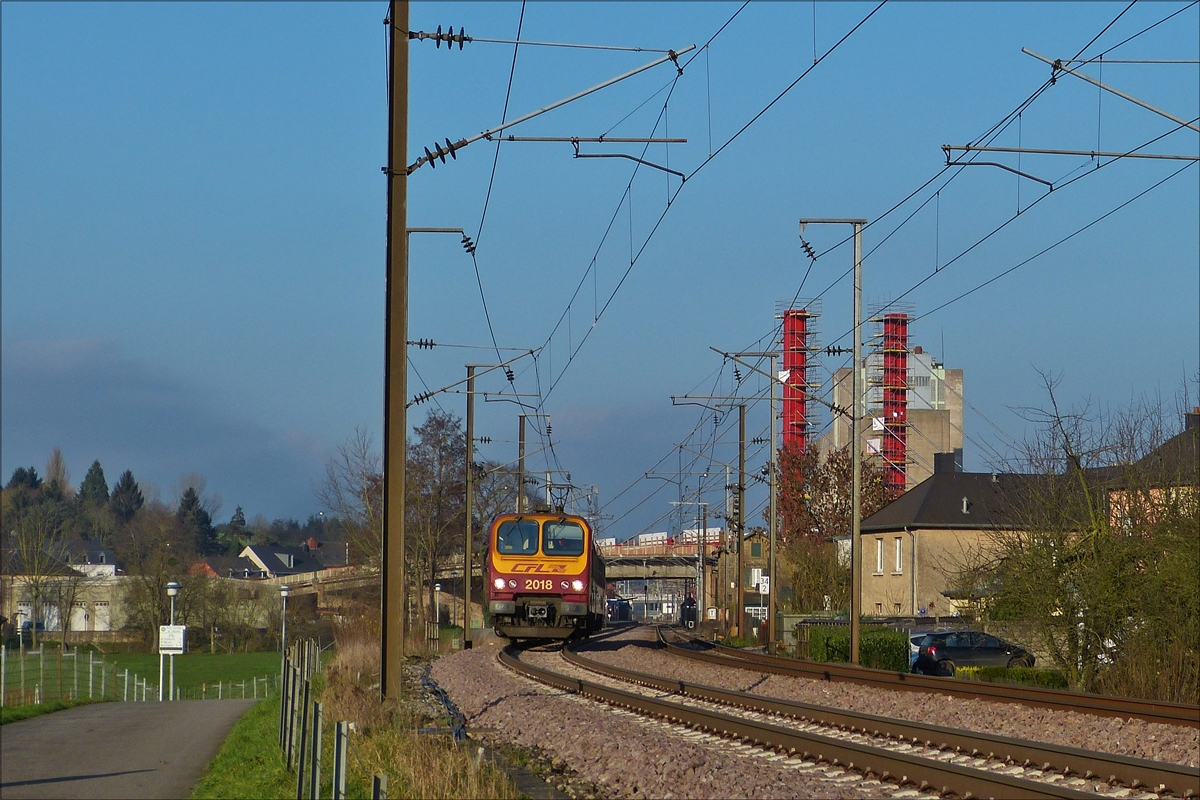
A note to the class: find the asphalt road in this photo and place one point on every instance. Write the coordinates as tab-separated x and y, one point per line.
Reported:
115	750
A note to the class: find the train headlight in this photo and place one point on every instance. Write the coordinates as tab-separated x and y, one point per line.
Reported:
498	583
512	584
577	585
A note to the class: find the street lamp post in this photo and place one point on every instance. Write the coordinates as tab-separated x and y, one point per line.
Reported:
172	590
284	591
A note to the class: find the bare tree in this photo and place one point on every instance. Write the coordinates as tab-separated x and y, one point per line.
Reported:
815	508
1104	553
353	491
436	490
36	562
155	549
58	477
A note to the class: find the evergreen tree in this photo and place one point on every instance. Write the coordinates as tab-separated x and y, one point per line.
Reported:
126	497
233	536
94	488
198	522
24	479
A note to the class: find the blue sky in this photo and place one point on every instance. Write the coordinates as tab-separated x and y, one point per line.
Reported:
193	223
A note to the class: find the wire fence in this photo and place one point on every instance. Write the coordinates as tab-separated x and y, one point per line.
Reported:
50	673
301	723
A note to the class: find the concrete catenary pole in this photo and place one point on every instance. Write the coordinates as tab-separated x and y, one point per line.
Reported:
856	449
393	595
856	453
470	505
741	521
772	628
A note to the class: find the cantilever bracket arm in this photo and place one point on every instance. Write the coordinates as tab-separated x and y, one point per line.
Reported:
950	163
643	162
440	153
836	409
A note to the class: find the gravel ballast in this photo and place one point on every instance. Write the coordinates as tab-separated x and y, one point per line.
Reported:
596	750
625	755
638	650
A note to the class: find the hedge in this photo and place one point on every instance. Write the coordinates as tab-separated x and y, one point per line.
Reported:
1027	676
878	646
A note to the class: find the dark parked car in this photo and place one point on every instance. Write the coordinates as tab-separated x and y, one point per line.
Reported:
942	653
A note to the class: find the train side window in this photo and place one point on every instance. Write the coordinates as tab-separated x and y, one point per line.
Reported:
517	537
561	538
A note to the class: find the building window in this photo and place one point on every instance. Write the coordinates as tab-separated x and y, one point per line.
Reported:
899	556
879	609
897	609
879	556
756	549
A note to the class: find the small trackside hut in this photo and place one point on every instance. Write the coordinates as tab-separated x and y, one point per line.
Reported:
545	577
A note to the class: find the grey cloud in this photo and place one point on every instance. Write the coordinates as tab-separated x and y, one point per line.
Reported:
87	397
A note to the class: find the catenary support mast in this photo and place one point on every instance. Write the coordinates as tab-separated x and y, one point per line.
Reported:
393	595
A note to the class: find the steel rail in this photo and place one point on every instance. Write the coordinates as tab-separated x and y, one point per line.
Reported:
1100	705
1179	779
864	759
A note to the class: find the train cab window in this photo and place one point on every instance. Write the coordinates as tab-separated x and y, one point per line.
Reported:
517	537
561	538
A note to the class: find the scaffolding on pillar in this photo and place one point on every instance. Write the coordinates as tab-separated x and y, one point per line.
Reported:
798	343
890	376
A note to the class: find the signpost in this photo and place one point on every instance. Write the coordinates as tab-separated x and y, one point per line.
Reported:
170	642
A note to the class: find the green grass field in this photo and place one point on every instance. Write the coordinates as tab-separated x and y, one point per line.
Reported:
192	669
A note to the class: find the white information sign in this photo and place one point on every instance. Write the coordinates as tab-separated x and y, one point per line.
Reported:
170	639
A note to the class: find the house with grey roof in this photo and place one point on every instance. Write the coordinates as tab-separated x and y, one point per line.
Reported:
915	548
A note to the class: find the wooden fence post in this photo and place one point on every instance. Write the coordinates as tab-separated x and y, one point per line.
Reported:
301	743
314	771
341	734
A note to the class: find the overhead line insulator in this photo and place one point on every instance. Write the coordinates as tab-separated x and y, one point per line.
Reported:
449	37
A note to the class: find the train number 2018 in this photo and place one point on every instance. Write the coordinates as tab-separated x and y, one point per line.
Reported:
536	584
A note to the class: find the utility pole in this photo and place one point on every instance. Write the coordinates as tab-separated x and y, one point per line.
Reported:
772	628
470	502
701	590
774	467
741	520
856	387
856	454
393	595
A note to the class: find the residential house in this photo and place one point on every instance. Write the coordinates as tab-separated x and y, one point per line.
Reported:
914	548
277	561
80	583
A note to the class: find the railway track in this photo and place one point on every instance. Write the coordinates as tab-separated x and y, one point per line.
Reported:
955	774
1165	713
1016	755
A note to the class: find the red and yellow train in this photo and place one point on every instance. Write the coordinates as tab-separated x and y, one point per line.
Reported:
545	577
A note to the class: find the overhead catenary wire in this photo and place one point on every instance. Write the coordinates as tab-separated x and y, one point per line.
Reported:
970	248
1057	243
657	224
995	130
488	196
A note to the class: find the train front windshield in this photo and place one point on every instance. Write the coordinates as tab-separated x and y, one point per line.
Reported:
517	537
562	538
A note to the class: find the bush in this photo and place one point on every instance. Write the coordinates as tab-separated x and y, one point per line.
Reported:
1025	676
879	647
